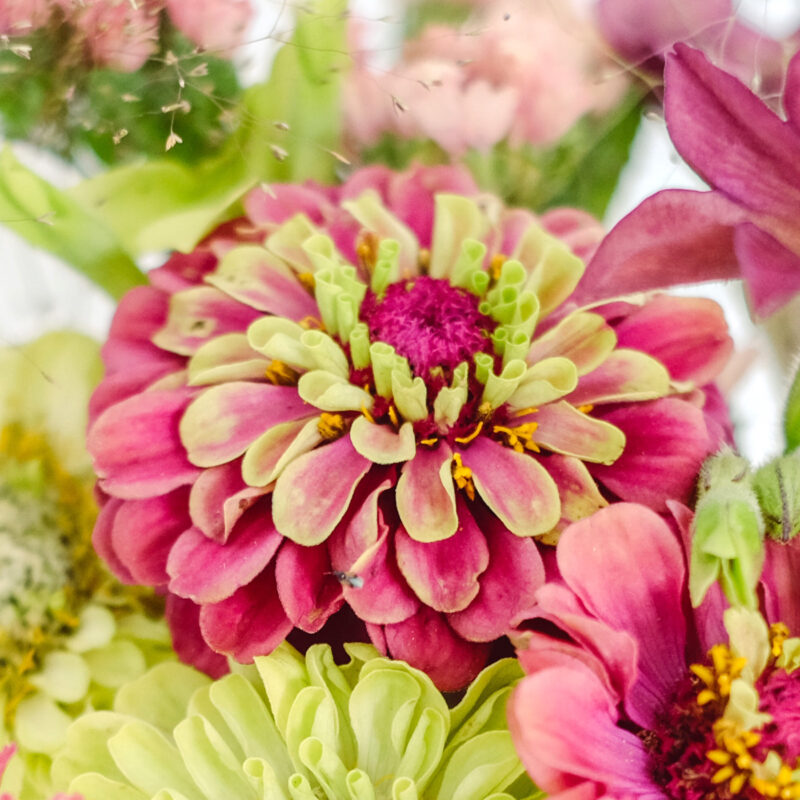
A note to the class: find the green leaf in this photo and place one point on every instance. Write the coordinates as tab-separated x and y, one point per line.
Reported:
53	220
289	129
791	419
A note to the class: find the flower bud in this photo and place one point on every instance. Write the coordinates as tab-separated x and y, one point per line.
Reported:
727	532
777	485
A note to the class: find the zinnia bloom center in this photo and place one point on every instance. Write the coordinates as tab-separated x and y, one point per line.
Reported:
700	749
430	322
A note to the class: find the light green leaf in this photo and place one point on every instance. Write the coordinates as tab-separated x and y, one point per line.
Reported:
59	223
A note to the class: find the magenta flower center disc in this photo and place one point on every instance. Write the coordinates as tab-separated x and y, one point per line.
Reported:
430	322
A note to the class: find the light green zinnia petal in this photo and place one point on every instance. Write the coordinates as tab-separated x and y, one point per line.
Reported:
287	242
329	392
456	219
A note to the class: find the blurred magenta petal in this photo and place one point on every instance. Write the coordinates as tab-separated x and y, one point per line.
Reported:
184	620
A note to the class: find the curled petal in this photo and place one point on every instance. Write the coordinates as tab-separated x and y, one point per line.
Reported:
564	429
380	443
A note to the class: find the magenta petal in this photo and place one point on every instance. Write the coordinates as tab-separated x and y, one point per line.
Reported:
444	574
103	544
312	494
183	617
218	499
666	442
736	144
781	568
206	571
361	548
563	724
427	642
688	335
770	271
251	622
648	603
224	420
308	590
514	486
144	532
791	93
425	495
506	588
136	448
675	236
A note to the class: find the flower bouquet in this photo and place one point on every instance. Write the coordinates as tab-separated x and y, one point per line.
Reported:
398	475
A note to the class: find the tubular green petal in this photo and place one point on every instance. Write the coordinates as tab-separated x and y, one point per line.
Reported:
450	400
369	210
553	269
387	266
359	786
383	360
410	396
326	767
512	273
484	364
469	261
544	382
478	283
346	315
404	789
98	787
329	392
359	345
500	387
456	219
327	355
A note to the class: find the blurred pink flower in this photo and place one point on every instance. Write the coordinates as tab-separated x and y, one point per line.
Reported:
624	702
644	31
211	24
376	396
526	74
749	224
18	17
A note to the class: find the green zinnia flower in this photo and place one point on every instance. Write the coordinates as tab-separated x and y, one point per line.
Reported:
298	728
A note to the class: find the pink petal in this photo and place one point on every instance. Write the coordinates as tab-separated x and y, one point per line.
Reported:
136	448
688	335
144	532
199	314
514	486
444	574
218	499
770	271
362	547
206	571
314	491
257	278
666	442
183	617
280	202
224	420
381	444
586	339
779	579
791	93
507	587
636	543
425	641
308	590
251	622
736	144
426	499
675	236
545	712
101	540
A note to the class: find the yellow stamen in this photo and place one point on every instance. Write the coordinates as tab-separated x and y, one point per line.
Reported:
704	673
28	662
365	412
520	437
586	408
424	259
737	783
722	775
718	757
485	411
311	322
281	374
523	412
496	265
705	697
330	426
307	280
429	442
393	417
778	634
471	436
462	475
367	251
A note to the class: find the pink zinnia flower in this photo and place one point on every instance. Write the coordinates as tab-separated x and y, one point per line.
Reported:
749	224
378	396
525	73
626	703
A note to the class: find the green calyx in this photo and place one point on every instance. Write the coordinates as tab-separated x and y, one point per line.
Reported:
298	728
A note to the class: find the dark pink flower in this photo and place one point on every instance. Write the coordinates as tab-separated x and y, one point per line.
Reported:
749	224
378	396
625	703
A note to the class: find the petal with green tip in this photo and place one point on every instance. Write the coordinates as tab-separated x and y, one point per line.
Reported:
586	339
273	450
456	219
515	487
224	420
426	500
226	358
314	491
544	382
258	278
380	443
329	392
625	376
564	429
